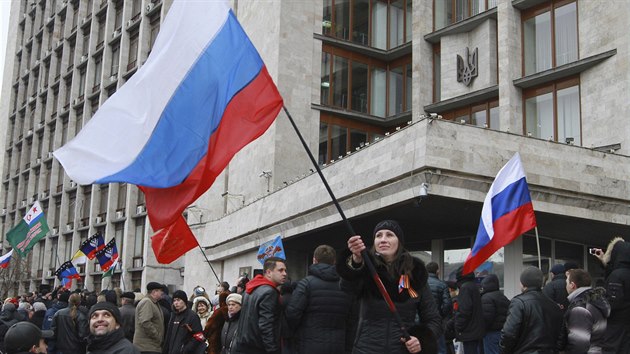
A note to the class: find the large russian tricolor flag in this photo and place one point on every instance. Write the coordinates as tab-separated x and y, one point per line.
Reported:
507	213
202	95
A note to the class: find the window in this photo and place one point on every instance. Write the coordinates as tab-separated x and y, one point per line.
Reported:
376	23
115	60
337	136
483	114
448	12
553	112
437	73
365	85
100	32
133	51
154	25
138	241
549	36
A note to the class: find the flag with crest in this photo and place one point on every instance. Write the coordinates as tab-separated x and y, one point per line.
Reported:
92	245
108	256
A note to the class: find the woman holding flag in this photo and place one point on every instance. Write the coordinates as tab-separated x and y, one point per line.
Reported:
405	279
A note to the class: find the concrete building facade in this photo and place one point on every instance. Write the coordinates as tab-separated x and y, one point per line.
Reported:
394	98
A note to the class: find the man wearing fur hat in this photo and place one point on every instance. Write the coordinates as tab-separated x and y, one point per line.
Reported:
106	333
534	320
616	261
128	314
184	334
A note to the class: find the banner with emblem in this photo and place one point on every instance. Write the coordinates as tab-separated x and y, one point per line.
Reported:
92	245
273	248
108	256
32	228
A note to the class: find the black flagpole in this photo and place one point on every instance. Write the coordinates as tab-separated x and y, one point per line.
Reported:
350	229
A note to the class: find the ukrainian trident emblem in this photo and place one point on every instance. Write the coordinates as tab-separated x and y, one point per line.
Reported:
467	71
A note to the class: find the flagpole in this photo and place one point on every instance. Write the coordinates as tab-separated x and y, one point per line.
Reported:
350	229
538	246
207	260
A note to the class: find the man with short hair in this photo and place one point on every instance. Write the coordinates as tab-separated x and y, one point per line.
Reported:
106	334
128	314
25	337
318	308
586	315
259	328
184	333
149	328
534	320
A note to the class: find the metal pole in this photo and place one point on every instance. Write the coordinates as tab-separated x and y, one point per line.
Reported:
538	246
207	260
350	229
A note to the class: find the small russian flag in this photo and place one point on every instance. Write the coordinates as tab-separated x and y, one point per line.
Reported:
5	259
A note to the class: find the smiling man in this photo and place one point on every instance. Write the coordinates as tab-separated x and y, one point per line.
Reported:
106	334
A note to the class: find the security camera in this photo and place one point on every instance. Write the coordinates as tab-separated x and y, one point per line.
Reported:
424	191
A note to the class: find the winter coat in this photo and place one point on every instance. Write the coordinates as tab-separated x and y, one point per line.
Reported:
617	263
70	334
111	343
227	333
38	318
556	289
533	324
378	331
149	331
494	304
8	318
48	318
128	319
258	330
585	320
184	334
442	297
319	311
468	320
213	327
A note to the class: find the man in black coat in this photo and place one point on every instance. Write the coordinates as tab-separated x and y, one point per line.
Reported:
319	310
534	320
258	329
184	334
616	261
556	289
128	314
468	320
495	309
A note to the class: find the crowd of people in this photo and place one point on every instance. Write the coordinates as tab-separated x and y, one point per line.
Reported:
339	308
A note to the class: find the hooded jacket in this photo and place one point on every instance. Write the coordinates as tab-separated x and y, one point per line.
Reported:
203	318
469	323
378	331
319	310
617	264
556	289
585	320
258	330
494	304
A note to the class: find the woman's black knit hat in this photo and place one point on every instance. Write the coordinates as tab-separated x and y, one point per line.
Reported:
392	226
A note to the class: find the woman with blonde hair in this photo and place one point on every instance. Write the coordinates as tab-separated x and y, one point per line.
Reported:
70	326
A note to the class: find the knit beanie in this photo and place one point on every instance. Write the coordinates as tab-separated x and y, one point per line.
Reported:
557	269
532	277
108	306
392	226
235	297
180	294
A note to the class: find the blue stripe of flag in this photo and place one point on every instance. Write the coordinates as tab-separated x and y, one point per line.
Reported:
195	110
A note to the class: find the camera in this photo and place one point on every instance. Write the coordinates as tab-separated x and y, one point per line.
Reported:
593	251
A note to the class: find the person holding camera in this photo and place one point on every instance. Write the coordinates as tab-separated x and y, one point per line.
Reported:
616	262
